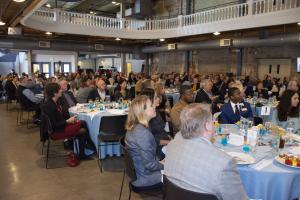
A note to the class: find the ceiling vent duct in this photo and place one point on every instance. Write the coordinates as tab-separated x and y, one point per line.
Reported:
99	47
225	42
172	46
44	44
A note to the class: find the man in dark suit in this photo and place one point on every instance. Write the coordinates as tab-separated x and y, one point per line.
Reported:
100	92
11	87
205	95
235	108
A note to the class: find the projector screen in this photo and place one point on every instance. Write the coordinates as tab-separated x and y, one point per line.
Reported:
298	64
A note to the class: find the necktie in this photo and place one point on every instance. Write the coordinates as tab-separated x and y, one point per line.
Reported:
237	111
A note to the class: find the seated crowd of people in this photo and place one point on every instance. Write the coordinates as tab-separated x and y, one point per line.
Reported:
190	121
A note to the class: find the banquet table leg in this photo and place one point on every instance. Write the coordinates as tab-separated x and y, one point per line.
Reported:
120	195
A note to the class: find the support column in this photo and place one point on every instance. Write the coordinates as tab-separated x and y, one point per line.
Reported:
187	53
29	58
239	64
75	63
148	64
123	63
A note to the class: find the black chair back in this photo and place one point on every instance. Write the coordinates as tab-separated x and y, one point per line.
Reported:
47	123
113	124
129	166
173	192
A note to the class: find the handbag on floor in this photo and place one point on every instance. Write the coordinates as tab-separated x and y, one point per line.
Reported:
72	160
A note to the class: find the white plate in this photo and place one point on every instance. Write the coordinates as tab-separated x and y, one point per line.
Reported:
295	150
282	161
242	158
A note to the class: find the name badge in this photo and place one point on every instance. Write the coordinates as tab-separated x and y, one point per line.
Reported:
244	109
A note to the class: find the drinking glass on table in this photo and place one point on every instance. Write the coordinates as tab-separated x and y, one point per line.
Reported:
290	130
250	122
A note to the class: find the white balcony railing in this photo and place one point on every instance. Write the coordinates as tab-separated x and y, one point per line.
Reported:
238	11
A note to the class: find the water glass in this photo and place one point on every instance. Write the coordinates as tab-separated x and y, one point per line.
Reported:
246	148
275	143
224	140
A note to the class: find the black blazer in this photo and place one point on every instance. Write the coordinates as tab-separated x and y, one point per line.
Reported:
11	90
262	94
202	97
118	95
62	101
54	112
94	94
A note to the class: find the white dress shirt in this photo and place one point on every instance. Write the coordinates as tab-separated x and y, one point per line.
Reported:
101	94
233	106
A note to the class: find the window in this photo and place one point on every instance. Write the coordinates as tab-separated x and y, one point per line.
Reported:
62	67
270	69
36	68
41	67
66	68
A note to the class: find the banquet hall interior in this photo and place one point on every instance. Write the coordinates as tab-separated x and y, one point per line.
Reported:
149	99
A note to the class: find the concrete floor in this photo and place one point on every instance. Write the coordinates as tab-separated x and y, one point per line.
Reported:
23	175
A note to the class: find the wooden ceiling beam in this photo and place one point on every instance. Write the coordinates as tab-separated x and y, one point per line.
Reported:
16	20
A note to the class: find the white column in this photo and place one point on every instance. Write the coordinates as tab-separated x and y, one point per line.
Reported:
250	7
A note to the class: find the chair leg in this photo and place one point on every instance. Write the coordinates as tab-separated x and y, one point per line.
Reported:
120	195
28	119
43	148
7	101
47	156
129	194
18	113
99	158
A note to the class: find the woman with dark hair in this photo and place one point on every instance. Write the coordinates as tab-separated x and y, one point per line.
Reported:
121	91
164	107
131	79
157	124
260	91
287	112
64	129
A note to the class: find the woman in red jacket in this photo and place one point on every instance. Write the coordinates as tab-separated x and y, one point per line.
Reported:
64	129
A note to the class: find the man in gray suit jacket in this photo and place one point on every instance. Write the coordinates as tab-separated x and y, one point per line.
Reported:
194	163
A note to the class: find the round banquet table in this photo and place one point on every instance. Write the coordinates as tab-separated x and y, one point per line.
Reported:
93	120
265	179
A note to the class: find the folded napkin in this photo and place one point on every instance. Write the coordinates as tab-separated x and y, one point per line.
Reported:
262	164
116	111
236	140
295	137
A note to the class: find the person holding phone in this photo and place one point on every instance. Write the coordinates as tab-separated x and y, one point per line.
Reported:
65	128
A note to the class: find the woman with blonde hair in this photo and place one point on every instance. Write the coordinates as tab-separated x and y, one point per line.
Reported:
141	143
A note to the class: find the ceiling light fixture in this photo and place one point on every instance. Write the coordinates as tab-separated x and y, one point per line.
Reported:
162	39
48	5
117	4
216	33
91	12
298	23
2	23
19	1
113	2
118	39
48	33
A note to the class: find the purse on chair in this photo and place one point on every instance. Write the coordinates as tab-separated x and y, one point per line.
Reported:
72	160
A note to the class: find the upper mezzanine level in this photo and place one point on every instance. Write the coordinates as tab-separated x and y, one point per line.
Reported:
254	13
